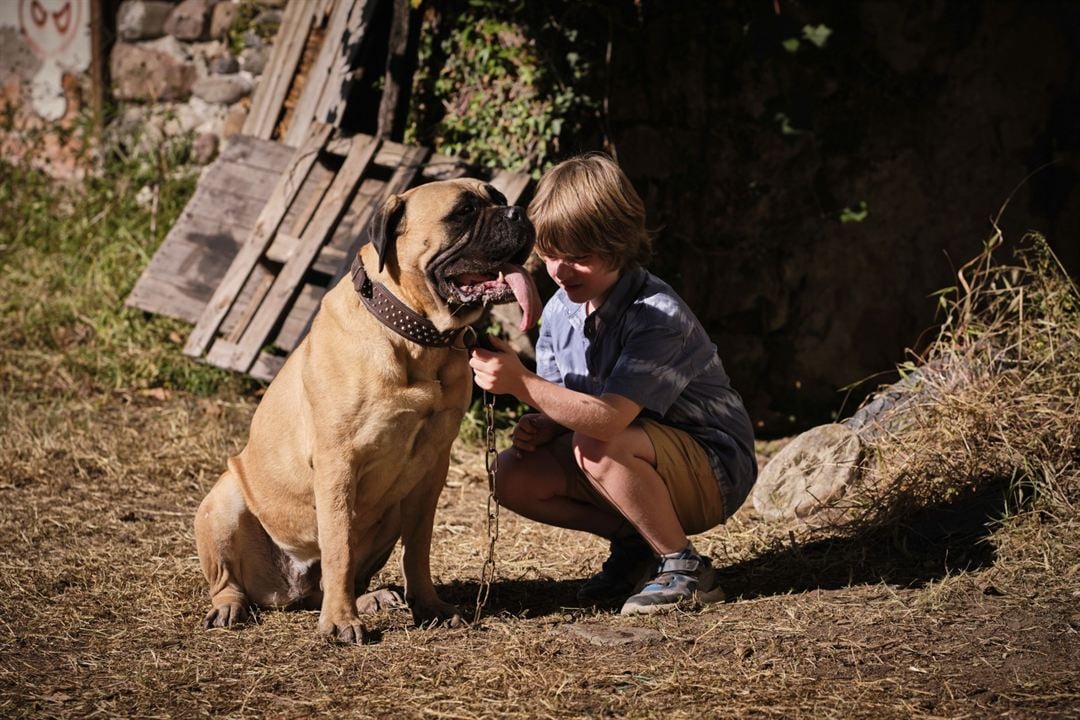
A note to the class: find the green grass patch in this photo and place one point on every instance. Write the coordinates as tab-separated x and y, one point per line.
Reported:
69	256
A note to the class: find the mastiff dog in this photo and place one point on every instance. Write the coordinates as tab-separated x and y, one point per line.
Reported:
349	448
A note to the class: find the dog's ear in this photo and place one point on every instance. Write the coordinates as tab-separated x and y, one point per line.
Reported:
384	226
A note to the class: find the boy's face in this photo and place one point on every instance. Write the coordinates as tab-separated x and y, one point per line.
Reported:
585	278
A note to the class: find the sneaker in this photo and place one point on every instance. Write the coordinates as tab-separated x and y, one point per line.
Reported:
682	578
630	559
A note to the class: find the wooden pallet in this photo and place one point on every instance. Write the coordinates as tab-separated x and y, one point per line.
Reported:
269	230
342	25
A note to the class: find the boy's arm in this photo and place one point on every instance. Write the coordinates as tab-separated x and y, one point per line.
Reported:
602	417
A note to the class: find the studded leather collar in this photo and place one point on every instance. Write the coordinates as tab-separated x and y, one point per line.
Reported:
400	318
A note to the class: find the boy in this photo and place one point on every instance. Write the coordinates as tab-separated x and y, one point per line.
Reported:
639	436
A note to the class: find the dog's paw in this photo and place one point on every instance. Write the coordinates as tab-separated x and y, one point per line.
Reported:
227	615
347	629
437	613
381	599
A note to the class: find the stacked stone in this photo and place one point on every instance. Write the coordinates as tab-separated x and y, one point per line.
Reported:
172	61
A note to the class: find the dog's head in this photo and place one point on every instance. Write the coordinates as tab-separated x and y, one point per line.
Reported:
450	248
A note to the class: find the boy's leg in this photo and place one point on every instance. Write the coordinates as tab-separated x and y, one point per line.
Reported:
535	485
655	475
623	470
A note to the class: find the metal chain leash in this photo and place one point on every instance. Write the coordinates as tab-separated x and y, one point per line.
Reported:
491	464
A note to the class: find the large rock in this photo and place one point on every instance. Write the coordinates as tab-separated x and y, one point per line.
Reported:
189	20
222	89
143	73
254	59
811	473
222	18
142	19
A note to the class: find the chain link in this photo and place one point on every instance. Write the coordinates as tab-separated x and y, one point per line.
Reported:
491	464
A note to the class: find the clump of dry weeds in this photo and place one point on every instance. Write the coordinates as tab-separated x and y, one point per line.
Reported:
993	401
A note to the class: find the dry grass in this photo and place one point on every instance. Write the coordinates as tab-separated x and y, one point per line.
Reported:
963	611
995	400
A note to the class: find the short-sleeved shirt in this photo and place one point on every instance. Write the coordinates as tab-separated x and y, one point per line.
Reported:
645	344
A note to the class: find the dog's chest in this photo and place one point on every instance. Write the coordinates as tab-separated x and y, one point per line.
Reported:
406	439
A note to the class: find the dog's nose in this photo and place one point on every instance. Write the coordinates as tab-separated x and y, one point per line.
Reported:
515	214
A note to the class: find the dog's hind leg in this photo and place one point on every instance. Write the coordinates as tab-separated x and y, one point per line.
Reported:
237	556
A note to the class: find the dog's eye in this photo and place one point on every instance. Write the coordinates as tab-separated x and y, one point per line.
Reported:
467	207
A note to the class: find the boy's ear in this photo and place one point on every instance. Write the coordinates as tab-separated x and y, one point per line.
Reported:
383	227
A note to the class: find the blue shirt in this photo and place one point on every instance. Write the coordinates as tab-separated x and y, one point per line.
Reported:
645	344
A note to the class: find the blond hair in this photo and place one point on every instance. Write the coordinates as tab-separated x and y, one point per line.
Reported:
587	206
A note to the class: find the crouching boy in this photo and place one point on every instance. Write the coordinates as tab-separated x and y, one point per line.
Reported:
638	436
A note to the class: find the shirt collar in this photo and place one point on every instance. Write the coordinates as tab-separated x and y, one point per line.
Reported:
626	290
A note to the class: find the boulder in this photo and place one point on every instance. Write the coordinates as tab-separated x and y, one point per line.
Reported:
142	19
188	20
221	89
205	148
222	18
267	22
140	72
234	120
811	473
225	64
254	59
170	46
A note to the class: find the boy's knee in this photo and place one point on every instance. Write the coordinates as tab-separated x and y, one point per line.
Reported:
594	456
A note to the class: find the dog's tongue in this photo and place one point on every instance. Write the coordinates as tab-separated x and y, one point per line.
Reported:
525	293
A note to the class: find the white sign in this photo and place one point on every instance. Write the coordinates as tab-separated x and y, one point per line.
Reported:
58	33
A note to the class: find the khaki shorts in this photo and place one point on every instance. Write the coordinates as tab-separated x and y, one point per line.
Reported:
680	461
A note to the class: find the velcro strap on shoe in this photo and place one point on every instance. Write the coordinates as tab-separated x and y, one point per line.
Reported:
679	565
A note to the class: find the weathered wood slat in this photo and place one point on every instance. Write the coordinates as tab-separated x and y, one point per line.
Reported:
273	213
318	231
510	184
303	309
274	85
326	75
266	367
411	162
255	152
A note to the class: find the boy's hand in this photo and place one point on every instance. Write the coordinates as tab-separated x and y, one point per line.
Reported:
534	430
498	372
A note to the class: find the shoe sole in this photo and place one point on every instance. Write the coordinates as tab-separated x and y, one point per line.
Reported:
707	597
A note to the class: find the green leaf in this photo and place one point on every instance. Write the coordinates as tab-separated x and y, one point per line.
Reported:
817	34
851	214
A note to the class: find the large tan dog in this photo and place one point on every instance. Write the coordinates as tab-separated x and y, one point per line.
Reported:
349	448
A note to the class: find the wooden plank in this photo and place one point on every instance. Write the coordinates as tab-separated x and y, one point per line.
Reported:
267	366
403	177
411	162
321	95
510	184
303	308
318	231
273	213
400	65
257	153
186	269
274	84
242	180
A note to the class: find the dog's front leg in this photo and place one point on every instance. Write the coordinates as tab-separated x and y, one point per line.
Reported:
339	546
417	519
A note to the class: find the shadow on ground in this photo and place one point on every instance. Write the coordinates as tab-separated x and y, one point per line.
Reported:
930	546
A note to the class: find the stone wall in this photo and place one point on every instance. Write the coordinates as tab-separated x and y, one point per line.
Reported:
172	67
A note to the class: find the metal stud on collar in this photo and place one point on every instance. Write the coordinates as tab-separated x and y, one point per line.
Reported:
398	316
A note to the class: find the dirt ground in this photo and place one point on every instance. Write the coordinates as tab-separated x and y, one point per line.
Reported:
959	614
